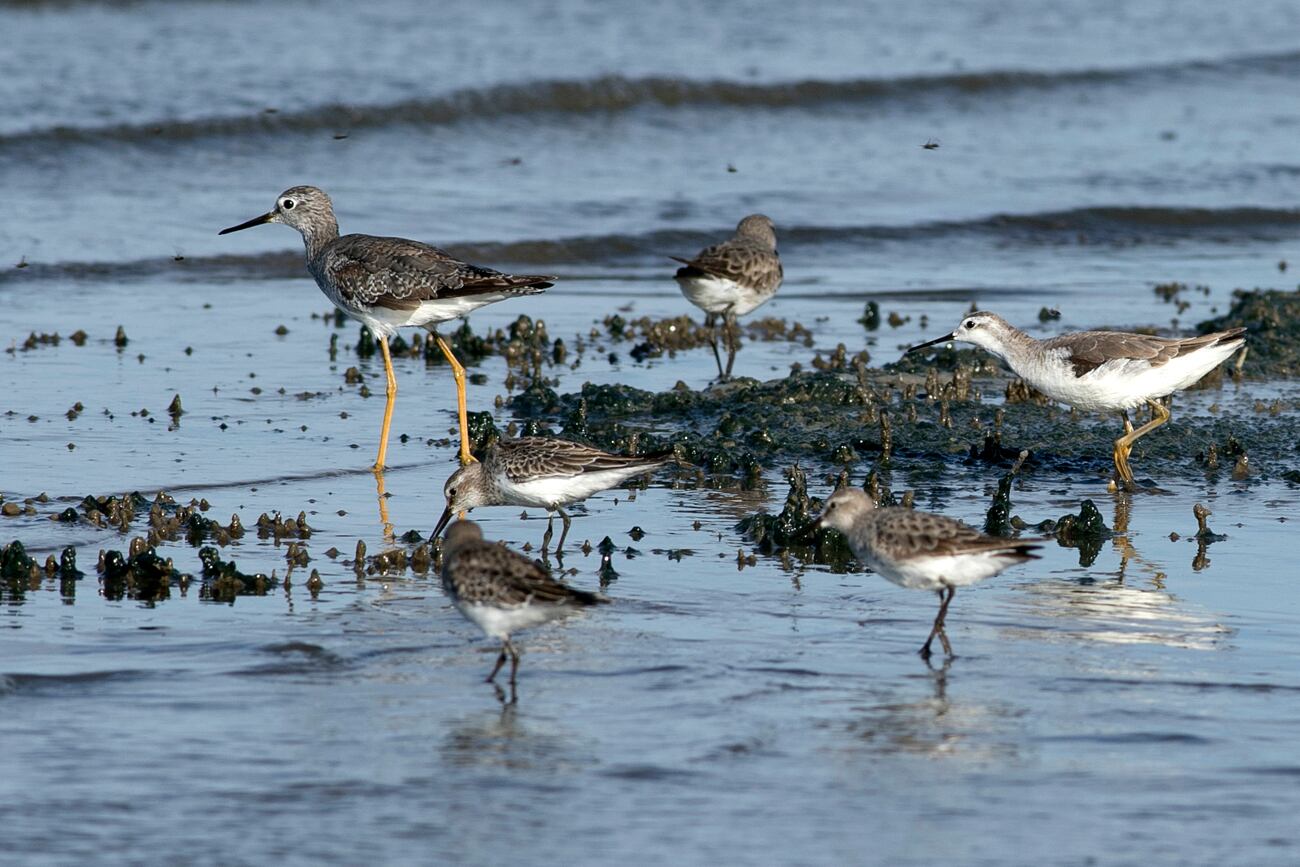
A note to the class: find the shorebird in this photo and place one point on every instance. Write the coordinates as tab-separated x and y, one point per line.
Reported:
390	283
500	591
543	473
731	279
921	550
1102	370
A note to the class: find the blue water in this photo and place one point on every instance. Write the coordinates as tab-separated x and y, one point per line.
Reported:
1138	710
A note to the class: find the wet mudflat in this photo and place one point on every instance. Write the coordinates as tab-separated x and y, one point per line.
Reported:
774	698
230	688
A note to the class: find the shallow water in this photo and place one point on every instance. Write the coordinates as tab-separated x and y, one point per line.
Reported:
1136	710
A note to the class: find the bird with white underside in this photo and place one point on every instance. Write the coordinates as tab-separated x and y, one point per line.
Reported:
501	591
731	279
921	550
1112	371
392	283
542	473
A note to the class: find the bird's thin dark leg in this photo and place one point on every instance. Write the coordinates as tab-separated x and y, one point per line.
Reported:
937	629
514	664
390	392
711	323
732	331
564	534
550	531
501	660
943	613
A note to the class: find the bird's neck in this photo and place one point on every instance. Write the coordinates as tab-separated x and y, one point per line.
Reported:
317	235
1012	343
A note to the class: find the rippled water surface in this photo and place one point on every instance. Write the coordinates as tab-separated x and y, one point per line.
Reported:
729	707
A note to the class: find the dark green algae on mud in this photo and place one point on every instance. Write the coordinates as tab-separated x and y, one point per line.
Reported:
845	418
843	421
938	409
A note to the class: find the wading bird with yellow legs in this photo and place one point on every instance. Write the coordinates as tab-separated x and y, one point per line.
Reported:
392	283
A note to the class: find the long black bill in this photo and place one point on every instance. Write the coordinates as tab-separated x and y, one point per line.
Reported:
442	523
943	339
256	221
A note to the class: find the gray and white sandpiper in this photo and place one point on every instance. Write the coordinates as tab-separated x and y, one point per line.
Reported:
542	473
1102	370
921	550
390	283
501	591
731	279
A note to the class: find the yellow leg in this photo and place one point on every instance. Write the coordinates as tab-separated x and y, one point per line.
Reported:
458	372
383	506
391	393
1120	455
1124	445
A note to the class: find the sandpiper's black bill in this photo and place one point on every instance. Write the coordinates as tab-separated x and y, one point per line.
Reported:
442	523
256	221
943	339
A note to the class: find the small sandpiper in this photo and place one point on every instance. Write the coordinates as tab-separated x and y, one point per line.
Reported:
921	550
390	283
1102	370
731	279
542	473
500	591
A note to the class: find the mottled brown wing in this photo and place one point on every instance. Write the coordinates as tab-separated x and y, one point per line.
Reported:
400	274
1089	350
530	457
487	572
743	262
907	533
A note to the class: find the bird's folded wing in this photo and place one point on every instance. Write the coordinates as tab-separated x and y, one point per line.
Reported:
401	274
531	457
923	534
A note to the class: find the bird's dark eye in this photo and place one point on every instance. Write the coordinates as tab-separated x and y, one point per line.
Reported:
969	323
451	493
288	204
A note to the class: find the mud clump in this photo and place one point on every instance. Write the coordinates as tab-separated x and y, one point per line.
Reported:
115	512
277	528
607	574
143	576
1085	531
18	571
998	520
947	358
1271	318
223	581
793	528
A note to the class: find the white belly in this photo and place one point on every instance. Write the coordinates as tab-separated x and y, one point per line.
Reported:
932	573
497	622
1124	383
549	492
717	295
385	321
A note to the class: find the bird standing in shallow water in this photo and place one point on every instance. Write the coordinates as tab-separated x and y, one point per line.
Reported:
390	283
1102	370
921	550
541	472
731	279
500	591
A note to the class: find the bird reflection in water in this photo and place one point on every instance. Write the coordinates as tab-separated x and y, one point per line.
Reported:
1120	608
499	739
938	726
